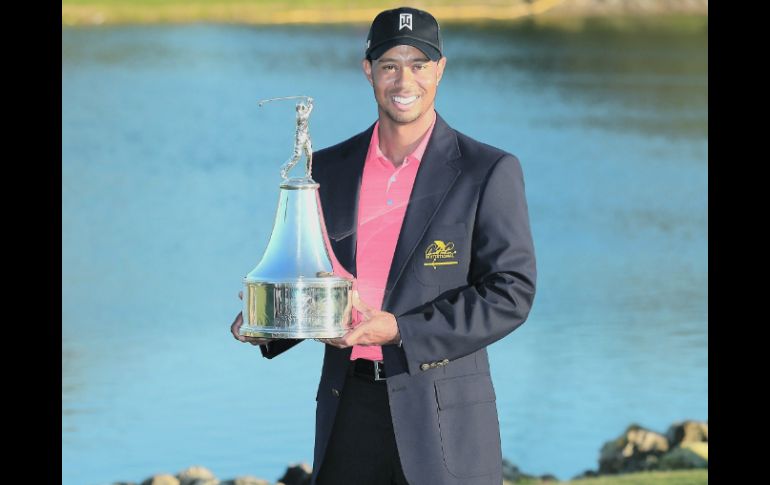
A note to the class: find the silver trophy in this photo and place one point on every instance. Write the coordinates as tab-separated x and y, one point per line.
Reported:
292	293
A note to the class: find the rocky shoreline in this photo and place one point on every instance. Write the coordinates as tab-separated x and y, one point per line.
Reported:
683	446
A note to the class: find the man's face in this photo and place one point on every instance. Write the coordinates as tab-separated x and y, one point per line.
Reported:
404	82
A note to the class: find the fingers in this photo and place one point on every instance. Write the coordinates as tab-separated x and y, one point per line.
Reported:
235	327
339	342
362	307
254	340
347	340
334	342
353	337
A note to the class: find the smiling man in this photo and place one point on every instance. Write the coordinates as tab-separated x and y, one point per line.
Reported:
434	226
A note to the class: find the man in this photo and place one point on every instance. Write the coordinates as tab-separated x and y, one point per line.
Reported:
434	226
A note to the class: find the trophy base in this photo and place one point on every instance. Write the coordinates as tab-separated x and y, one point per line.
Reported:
294	334
308	308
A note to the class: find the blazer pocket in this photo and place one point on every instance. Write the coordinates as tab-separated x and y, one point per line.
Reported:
442	256
468	425
464	391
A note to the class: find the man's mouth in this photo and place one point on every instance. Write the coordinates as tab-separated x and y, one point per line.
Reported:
404	101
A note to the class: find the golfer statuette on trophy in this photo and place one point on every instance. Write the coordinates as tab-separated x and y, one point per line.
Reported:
293	293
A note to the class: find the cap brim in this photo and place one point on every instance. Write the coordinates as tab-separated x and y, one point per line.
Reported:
377	51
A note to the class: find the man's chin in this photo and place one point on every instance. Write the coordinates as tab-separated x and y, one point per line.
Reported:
404	118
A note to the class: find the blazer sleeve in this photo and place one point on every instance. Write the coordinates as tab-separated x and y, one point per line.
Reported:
277	347
502	279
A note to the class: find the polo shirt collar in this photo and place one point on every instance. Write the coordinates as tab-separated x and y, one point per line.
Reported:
414	157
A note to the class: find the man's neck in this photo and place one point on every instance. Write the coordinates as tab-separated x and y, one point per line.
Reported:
397	140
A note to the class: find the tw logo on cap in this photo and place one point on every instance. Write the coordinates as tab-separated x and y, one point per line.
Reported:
405	20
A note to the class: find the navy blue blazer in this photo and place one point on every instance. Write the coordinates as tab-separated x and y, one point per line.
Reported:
463	276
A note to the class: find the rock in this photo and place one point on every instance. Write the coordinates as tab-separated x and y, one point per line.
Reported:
638	449
161	479
197	475
297	474
246	480
686	432
689	455
701	449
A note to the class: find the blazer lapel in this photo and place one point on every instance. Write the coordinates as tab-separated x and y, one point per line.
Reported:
436	175
340	199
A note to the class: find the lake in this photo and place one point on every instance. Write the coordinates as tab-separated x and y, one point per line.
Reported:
170	178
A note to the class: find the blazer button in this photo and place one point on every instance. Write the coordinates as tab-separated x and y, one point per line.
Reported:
335	392
425	366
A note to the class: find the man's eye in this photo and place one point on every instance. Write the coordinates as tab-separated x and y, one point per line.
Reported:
389	67
420	67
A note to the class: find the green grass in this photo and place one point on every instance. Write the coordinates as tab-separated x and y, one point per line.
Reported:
292	4
295	3
89	12
79	12
678	477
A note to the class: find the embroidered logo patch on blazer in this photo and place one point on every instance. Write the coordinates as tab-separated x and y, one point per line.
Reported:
440	253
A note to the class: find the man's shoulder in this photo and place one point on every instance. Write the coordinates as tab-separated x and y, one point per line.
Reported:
343	148
479	155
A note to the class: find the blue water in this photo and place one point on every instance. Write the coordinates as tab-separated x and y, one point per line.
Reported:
169	187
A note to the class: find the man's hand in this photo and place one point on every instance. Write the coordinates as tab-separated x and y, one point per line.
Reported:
236	327
376	328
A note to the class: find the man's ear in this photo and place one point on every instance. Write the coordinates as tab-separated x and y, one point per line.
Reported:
366	65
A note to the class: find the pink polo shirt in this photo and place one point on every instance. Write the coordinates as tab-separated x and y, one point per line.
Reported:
382	203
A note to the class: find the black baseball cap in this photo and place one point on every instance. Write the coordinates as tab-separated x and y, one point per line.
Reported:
404	25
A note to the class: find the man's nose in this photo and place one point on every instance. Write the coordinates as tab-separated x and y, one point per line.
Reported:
405	76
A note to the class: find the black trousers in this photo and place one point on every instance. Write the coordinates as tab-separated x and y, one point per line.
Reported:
362	447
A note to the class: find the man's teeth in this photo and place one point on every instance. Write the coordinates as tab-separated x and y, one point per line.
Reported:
400	100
